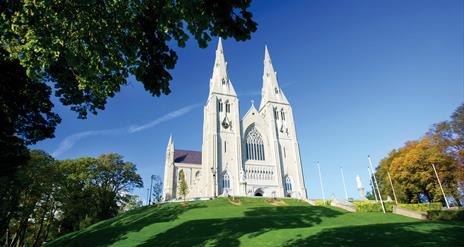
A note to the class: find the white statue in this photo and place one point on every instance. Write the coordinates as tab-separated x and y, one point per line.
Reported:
242	175
362	192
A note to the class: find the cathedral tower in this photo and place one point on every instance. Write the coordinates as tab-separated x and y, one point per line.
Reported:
221	152
278	113
169	186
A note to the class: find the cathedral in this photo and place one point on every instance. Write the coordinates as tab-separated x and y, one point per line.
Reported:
256	155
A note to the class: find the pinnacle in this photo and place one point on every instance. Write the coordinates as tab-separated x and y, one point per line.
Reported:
219	47
267	57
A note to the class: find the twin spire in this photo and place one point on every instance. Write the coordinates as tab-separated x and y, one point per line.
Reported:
221	83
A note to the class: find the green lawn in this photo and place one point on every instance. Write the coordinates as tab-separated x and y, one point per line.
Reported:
257	223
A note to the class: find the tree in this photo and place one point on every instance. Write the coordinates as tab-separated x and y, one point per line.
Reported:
88	49
113	178
26	114
449	135
183	187
36	191
157	189
412	174
95	189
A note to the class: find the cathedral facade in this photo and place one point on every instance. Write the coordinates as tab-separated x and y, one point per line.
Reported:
256	155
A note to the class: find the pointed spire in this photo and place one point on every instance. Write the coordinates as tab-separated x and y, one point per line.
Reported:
271	90
219	47
170	139
170	144
267	57
220	82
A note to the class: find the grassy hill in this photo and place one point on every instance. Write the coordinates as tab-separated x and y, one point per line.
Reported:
255	222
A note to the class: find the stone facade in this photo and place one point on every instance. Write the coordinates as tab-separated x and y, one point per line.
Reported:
257	155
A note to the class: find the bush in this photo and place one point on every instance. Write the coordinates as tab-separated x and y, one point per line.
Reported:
367	206
423	207
446	215
323	203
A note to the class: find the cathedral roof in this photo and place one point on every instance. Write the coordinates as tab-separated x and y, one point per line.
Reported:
187	156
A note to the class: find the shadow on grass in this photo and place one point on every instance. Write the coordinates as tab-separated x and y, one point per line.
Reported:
226	232
393	234
113	230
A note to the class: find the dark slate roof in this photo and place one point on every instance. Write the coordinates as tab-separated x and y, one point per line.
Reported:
187	156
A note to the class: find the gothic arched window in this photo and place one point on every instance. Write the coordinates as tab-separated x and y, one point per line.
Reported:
226	181
254	145
288	184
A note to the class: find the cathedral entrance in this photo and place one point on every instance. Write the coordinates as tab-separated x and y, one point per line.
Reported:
259	192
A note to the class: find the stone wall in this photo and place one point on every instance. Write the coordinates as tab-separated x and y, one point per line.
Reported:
409	213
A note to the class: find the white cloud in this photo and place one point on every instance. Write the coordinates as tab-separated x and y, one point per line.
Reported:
71	140
171	115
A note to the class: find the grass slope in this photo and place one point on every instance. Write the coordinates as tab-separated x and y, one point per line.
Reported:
257	223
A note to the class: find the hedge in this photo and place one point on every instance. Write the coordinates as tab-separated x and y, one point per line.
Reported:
446	215
367	206
323	203
423	207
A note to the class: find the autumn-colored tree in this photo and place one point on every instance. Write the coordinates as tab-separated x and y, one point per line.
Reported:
412	174
449	135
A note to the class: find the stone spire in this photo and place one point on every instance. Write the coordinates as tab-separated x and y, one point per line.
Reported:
220	82
170	146
271	91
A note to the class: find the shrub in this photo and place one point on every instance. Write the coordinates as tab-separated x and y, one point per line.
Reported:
423	207
367	206
323	203
446	215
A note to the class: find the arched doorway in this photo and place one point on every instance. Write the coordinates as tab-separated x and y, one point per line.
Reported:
259	192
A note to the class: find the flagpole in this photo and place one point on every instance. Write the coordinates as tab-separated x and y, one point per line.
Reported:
439	182
393	189
320	179
372	183
344	184
376	184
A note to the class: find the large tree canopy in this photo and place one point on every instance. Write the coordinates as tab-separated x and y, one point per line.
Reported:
59	196
411	166
412	174
25	114
88	48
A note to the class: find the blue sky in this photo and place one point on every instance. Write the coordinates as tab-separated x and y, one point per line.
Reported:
363	77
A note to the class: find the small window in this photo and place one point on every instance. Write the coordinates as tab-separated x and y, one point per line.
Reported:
276	113
227	107
276	90
283	114
223	81
285	153
225	147
226	181
288	184
220	106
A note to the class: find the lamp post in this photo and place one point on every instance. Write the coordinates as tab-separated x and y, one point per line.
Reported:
376	184
151	186
393	189
441	187
148	193
320	178
344	184
214	178
371	181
